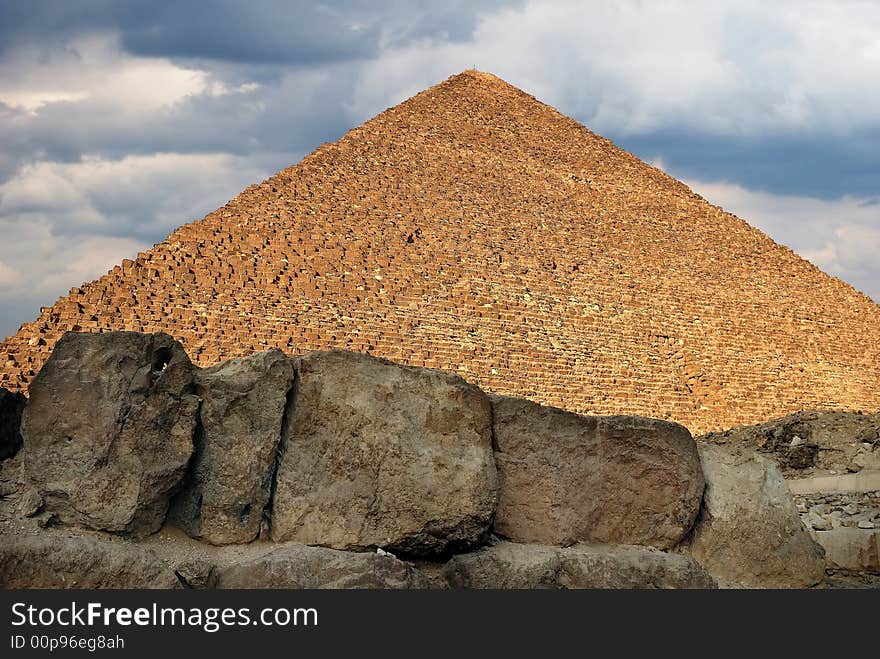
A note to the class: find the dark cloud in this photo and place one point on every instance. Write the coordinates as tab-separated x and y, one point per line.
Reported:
264	41
814	164
257	31
92	167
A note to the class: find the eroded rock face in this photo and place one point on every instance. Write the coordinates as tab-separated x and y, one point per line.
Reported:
380	455
54	561
300	566
11	407
243	403
749	533
108	429
566	478
512	565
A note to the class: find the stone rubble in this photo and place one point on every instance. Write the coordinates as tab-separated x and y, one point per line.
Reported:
826	511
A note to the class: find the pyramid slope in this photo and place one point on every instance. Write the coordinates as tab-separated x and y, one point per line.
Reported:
475	229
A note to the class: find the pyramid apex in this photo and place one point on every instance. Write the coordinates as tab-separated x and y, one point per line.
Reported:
481	76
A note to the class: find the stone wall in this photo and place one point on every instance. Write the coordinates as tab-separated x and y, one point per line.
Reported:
476	230
338	469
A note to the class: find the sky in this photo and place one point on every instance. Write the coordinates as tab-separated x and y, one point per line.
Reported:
121	120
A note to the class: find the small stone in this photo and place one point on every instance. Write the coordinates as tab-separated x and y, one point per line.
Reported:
51	560
866	458
802	455
31	503
46	519
851	549
293	566
820	523
851	509
865	524
528	566
196	574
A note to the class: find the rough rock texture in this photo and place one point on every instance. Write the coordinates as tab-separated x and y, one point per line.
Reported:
812	443
243	403
749	533
352	452
108	429
851	548
511	565
300	566
54	561
380	455
11	407
867	457
196	573
566	478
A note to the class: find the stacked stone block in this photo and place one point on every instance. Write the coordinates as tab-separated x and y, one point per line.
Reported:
477	230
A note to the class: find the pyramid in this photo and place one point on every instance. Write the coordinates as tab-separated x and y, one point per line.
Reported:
474	229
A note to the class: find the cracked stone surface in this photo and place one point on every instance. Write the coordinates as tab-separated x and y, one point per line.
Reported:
243	405
381	455
108	429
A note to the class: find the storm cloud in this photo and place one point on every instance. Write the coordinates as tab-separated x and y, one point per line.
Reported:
122	120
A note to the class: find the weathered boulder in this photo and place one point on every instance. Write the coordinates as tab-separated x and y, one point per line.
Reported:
108	429
867	458
300	566
851	548
243	403
566	478
512	565
56	561
381	455
749	533
11	407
